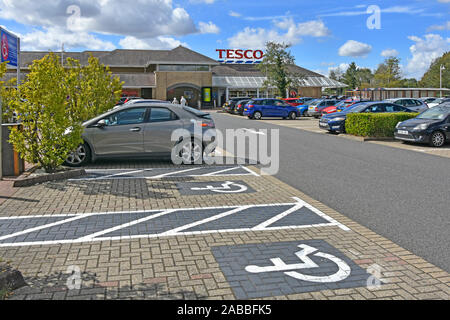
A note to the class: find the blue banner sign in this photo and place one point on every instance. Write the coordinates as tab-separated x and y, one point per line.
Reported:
8	47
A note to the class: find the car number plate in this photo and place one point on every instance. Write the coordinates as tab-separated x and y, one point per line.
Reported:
403	132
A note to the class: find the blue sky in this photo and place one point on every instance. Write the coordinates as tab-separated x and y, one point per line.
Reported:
324	34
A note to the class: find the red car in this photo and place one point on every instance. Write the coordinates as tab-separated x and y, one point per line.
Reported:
295	102
339	106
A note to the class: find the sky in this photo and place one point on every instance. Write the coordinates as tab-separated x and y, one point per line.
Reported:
324	34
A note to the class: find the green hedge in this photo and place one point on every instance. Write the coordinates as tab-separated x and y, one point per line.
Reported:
375	124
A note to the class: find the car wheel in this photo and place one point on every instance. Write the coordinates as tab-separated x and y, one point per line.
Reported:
79	157
257	115
437	139
304	114
292	116
191	152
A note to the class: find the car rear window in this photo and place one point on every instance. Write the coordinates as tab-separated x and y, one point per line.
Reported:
197	113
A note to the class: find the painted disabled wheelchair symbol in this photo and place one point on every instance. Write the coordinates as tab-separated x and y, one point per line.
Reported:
307	263
227	187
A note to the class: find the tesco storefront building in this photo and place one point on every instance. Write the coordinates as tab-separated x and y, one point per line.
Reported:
166	74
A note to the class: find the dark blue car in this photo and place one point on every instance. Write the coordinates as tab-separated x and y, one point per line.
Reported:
268	108
335	122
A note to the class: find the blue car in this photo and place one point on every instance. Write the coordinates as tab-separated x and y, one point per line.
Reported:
335	122
303	109
268	108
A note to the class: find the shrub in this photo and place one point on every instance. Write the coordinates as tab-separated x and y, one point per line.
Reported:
53	102
375	124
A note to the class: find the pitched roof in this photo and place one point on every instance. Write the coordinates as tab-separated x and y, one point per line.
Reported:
251	70
128	58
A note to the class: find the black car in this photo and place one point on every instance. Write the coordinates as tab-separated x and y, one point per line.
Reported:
431	126
335	122
239	108
231	103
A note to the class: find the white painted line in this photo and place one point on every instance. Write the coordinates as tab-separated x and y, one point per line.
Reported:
321	214
173	173
254	131
174	232
153	236
122	174
197	223
251	171
12	235
220	171
143	211
267	223
125	225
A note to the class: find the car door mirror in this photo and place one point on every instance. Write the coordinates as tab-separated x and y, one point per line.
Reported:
101	124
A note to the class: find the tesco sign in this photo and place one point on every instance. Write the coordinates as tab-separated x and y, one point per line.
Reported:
240	56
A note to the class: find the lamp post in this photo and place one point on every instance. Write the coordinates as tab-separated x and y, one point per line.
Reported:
440	77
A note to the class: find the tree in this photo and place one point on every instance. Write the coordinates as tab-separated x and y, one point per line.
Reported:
431	78
388	73
364	77
275	66
351	76
52	104
91	89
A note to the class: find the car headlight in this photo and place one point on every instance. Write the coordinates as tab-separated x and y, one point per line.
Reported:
422	126
398	125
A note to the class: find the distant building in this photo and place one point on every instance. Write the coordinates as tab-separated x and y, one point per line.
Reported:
376	94
165	74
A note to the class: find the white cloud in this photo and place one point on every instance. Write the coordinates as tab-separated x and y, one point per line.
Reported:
342	67
389	53
394	9
286	31
354	48
202	1
158	43
424	51
208	27
145	19
234	14
440	27
52	39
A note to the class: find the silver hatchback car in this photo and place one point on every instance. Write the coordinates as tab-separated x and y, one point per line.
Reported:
146	130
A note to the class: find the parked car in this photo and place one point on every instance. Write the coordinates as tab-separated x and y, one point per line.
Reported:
124	100
335	122
438	101
231	103
315	108
239	109
428	100
298	101
340	106
413	104
303	110
139	101
431	126
259	108
144	130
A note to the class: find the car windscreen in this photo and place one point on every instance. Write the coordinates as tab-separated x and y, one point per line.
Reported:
436	113
340	104
197	113
315	102
357	107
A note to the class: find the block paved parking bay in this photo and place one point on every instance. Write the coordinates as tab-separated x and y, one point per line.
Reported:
146	231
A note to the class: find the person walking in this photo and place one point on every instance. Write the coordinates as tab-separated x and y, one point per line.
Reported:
175	101
183	101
